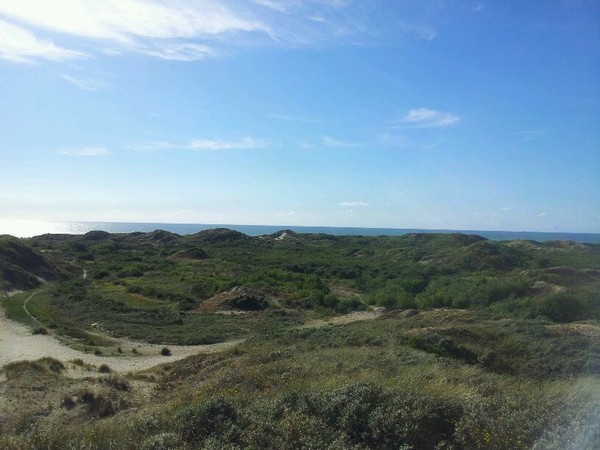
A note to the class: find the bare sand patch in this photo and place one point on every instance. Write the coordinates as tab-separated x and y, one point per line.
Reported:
17	343
346	318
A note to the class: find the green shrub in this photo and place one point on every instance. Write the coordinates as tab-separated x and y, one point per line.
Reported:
347	305
563	308
197	422
162	441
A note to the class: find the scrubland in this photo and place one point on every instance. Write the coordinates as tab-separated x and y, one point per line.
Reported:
464	342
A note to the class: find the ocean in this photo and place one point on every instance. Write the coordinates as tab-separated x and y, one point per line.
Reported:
23	228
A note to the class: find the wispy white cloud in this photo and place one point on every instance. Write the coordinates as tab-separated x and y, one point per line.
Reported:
429	118
295	6
295	118
390	139
247	142
277	5
328	141
355	204
126	20
542	214
180	51
188	30
168	30
19	45
331	142
506	208
86	84
288	213
85	151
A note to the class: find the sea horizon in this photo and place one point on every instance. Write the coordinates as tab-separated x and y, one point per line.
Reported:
30	228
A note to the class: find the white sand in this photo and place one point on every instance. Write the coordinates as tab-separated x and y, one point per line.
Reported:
18	344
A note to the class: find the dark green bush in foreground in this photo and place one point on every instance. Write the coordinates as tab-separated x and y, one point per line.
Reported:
355	416
367	416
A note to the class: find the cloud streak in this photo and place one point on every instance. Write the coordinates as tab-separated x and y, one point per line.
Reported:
85	151
183	30
86	84
295	118
355	204
180	52
328	141
19	45
167	30
200	145
331	142
126	20
429	118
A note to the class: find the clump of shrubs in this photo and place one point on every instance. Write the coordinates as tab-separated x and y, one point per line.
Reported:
116	382
162	441
104	368
98	404
165	351
354	416
16	369
53	364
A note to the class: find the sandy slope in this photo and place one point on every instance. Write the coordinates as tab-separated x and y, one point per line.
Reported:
17	344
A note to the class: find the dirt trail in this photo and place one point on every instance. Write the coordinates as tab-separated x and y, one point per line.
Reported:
18	344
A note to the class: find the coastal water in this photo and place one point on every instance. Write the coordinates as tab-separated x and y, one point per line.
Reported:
34	228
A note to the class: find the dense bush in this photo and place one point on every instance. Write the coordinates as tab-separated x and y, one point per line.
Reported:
355	416
465	292
393	296
564	308
217	416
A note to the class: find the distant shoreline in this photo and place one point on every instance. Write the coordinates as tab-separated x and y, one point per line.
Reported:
25	229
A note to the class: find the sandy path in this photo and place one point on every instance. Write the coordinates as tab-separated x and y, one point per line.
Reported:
347	318
18	344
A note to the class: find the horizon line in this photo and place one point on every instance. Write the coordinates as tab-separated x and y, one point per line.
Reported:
440	230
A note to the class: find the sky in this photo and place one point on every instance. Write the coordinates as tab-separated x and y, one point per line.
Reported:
437	114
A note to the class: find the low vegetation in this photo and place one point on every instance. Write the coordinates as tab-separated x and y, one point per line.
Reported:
478	344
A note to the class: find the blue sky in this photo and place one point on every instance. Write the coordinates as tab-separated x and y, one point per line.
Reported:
408	114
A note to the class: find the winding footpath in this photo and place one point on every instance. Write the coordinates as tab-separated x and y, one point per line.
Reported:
18	344
27	311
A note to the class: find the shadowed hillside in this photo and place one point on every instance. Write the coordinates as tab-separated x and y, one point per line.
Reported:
22	267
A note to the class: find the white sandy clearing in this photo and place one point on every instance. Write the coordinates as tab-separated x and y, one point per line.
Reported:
18	344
